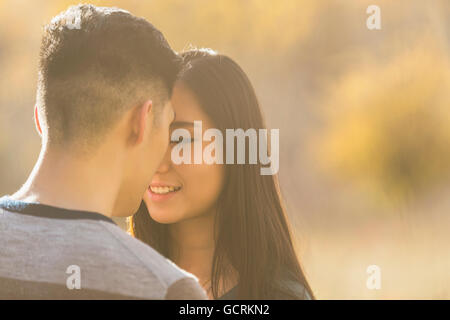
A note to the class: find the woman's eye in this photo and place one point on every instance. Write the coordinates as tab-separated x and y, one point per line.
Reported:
175	141
185	140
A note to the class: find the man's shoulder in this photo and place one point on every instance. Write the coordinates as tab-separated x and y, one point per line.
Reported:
41	247
150	265
141	254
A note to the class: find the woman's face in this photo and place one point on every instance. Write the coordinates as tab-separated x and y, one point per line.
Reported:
184	191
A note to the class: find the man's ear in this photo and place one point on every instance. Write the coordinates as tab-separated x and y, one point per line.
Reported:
142	123
36	120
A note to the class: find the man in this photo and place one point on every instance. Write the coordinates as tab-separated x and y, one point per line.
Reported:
103	112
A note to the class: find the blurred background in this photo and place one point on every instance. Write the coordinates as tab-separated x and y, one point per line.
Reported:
364	118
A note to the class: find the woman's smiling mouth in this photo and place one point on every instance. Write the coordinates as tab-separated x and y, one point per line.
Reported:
160	192
164	189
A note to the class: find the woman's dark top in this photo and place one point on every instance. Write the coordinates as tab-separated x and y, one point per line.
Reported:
289	289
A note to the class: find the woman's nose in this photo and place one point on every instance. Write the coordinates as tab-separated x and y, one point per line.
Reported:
166	163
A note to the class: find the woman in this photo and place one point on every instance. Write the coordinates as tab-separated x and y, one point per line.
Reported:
224	223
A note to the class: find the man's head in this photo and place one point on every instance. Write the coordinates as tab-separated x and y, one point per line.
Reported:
103	71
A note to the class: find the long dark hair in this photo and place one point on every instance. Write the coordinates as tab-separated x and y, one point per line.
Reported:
253	236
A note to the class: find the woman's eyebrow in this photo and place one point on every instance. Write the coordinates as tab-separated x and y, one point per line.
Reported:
182	124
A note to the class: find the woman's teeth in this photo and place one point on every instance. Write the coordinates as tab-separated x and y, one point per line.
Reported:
164	190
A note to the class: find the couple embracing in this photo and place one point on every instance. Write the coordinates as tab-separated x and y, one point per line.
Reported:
110	92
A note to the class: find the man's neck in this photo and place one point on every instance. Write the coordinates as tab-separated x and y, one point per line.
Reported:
63	180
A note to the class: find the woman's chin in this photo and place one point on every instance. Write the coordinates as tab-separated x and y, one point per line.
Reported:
163	217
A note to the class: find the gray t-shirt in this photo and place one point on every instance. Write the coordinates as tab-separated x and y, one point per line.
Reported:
54	253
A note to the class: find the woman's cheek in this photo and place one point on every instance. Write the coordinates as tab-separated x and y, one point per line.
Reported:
202	185
206	187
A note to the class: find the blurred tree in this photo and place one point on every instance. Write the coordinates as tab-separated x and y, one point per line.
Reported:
388	126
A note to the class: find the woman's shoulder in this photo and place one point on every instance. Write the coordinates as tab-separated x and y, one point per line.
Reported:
290	288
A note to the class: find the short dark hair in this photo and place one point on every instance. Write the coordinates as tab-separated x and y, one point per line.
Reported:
95	63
